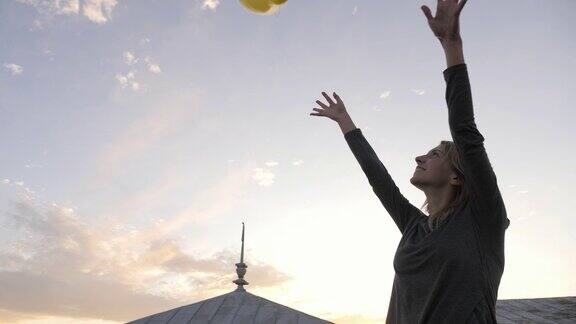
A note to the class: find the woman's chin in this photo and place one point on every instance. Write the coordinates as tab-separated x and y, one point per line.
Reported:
415	181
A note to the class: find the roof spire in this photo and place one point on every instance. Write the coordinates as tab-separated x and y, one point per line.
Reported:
241	267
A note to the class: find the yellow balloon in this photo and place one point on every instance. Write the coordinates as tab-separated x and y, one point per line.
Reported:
257	6
278	2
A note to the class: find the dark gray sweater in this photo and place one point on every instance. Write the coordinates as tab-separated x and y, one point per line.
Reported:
451	274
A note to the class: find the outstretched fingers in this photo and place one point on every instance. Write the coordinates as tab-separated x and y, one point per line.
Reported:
318	113
460	6
328	98
427	12
337	97
321	104
331	108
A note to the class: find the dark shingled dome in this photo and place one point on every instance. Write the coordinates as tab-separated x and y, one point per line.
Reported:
557	310
238	307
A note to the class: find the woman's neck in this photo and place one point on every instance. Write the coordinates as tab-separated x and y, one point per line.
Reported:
438	198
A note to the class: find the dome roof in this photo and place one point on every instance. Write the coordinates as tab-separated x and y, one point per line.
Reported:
237	307
537	310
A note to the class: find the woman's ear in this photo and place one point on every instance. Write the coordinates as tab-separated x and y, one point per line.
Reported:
455	179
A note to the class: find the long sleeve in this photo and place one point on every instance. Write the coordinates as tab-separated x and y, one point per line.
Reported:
478	171
399	208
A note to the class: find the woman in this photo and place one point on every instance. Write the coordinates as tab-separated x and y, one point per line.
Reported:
448	265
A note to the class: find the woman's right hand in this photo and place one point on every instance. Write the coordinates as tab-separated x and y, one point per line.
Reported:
335	110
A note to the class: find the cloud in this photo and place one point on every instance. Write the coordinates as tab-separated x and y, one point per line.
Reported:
354	10
297	162
385	94
26	192
14	69
78	295
31	165
169	256
7	316
128	81
122	79
54	7
57	264
129	58
37	24
263	177
271	163
418	91
153	68
97	11
210	4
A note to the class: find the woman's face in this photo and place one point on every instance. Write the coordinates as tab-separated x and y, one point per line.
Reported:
432	169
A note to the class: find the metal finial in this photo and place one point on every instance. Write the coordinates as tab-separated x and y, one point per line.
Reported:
241	267
242	251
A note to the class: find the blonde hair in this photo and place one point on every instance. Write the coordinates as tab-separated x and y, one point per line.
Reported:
462	193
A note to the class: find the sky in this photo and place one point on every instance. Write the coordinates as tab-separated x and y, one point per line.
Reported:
138	135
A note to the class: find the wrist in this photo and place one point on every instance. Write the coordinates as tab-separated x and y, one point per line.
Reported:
346	124
449	43
453	52
344	119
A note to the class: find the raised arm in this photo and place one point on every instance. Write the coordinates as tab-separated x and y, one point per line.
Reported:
399	208
478	172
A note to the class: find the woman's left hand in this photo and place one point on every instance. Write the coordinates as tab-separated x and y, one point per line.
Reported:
445	24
